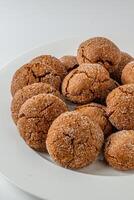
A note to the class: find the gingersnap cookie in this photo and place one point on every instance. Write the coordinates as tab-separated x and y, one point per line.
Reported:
99	50
34	73
87	83
27	92
35	117
128	73
73	140
119	150
125	59
97	113
53	62
70	62
120	107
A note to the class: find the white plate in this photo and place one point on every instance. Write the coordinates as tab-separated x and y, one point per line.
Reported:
36	173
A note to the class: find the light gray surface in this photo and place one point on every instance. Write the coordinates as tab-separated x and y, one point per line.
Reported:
10	192
29	23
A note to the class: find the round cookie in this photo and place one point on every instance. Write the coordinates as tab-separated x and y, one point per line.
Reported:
53	62
86	83
35	117
120	107
125	59
73	140
99	50
34	73
128	73
119	150
70	62
27	92
97	113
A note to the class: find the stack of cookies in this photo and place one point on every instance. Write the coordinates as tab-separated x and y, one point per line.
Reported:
99	81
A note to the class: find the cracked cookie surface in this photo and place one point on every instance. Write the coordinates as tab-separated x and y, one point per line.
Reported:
97	113
34	73
35	118
70	62
128	73
73	140
27	92
99	50
125	59
119	150
120	107
53	62
87	83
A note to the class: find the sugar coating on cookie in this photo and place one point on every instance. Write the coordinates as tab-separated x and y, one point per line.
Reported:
70	62
119	150
53	62
86	83
97	113
99	50
125	59
120	107
35	117
128	73
27	92
34	73
73	140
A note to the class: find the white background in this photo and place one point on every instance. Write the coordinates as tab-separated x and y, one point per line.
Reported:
25	24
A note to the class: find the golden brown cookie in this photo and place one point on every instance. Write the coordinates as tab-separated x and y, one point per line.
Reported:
86	83
35	117
27	92
119	150
73	140
120	107
125	59
34	73
70	62
53	62
97	113
128	73
99	50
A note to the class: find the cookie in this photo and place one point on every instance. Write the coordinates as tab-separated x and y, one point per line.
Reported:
97	113
99	50
125	59
87	83
128	73
34	73
35	117
27	92
53	62
120	107
119	150
73	140
70	62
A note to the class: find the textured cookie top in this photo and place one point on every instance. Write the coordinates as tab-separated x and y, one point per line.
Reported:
128	73
86	83
125	59
42	105
27	92
35	118
119	150
34	73
99	50
120	107
53	62
70	62
97	113
74	140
